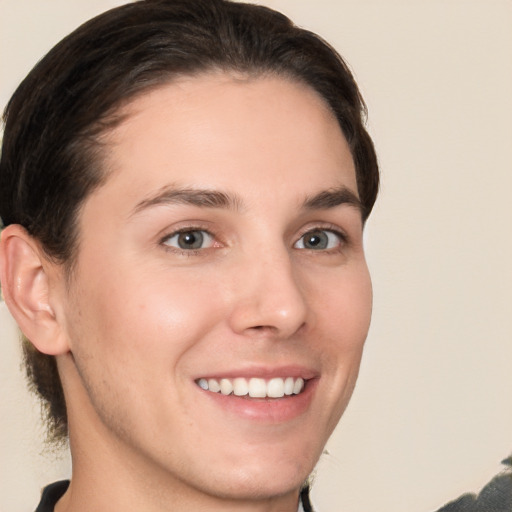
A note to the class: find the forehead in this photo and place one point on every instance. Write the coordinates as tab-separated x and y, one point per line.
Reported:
223	131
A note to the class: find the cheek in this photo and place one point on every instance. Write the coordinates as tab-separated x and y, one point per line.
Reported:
345	306
132	340
344	321
146	316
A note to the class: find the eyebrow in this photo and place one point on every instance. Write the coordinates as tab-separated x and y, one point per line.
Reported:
196	197
205	198
332	198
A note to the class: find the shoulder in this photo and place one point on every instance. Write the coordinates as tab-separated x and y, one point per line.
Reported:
51	494
496	496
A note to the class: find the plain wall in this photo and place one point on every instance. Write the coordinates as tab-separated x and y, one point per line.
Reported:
431	416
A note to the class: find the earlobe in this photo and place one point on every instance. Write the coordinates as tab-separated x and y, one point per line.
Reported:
27	291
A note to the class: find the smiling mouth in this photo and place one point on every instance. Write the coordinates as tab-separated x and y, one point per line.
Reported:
255	387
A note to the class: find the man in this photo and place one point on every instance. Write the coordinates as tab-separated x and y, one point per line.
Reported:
184	187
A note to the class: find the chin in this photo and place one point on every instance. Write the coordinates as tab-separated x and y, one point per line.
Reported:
264	478
242	487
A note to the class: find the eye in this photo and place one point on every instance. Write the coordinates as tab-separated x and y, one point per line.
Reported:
192	239
319	240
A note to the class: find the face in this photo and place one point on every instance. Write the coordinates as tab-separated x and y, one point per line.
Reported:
223	252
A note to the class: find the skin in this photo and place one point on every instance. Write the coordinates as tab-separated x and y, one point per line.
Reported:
142	319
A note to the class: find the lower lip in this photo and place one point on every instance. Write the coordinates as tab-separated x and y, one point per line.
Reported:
272	410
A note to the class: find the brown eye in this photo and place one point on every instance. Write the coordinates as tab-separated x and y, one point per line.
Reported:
190	240
319	240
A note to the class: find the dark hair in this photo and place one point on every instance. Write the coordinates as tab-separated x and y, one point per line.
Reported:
51	155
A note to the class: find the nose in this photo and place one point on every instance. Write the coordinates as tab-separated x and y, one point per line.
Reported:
268	299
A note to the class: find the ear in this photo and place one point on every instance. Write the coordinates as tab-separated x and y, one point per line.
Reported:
30	286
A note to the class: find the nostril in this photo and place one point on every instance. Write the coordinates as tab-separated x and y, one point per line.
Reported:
263	329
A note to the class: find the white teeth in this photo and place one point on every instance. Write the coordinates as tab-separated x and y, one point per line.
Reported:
257	388
240	387
288	386
298	386
254	387
275	388
226	387
213	385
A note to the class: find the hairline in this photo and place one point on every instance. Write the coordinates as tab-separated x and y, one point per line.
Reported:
100	131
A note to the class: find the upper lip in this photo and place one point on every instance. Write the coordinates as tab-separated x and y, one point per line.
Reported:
264	372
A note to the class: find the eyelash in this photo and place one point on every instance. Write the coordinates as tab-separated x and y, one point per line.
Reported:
186	252
343	239
328	228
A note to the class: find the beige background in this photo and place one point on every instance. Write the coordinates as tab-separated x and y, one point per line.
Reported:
432	414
